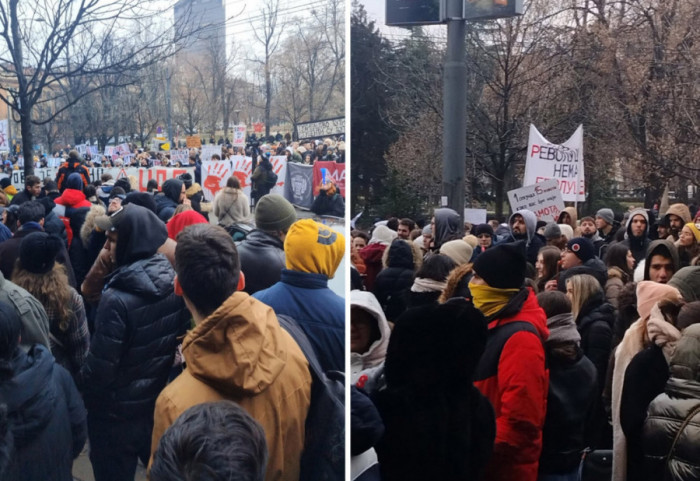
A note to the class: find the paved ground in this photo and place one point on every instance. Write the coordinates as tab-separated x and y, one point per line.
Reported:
82	469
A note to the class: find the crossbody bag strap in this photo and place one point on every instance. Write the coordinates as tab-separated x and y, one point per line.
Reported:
686	421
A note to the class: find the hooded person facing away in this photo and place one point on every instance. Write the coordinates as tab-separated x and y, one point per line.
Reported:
447	226
137	323
173	195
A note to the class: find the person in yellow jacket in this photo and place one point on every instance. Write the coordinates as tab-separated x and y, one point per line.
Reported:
237	351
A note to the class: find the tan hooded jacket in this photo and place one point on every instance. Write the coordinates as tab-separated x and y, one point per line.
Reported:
241	353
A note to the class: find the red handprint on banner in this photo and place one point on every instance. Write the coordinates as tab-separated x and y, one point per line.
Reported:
215	173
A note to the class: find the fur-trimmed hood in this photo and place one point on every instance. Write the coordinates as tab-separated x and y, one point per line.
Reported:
89	224
397	255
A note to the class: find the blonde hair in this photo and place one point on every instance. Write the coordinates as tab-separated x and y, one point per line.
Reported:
181	208
583	287
51	290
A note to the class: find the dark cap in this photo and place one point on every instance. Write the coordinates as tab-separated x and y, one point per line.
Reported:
582	247
502	266
109	223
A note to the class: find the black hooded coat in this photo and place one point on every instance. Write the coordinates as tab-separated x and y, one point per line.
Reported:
167	202
47	418
137	324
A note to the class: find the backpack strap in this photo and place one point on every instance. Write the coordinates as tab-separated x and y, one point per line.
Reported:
695	410
291	326
496	340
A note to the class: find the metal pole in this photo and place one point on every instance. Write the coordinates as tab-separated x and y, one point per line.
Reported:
454	142
168	107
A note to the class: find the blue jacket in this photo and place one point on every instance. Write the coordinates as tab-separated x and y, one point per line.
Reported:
319	311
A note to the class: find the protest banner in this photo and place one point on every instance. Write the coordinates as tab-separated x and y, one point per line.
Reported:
122	149
209	150
544	199
215	174
563	162
243	169
143	175
109	151
4	137
258	127
239	136
279	167
299	185
336	171
321	128
182	156
81	148
475	216
193	141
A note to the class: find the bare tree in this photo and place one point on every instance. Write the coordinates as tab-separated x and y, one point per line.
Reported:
46	42
266	33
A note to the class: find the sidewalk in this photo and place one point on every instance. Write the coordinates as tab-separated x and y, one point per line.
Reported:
82	469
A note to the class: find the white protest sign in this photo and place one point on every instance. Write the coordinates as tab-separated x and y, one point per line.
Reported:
475	216
209	150
239	136
215	174
243	170
4	138
544	199
279	167
563	162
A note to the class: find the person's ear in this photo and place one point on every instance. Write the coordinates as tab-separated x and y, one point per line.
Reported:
241	282
178	287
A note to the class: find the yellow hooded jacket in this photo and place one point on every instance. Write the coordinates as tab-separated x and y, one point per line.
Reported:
241	353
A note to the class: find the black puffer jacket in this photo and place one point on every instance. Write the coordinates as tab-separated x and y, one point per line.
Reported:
396	278
594	322
167	202
47	418
137	324
262	260
667	413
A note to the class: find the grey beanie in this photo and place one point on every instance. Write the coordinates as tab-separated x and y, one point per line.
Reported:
552	231
273	212
607	215
427	230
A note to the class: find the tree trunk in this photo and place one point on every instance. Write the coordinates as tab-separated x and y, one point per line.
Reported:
499	187
268	97
27	138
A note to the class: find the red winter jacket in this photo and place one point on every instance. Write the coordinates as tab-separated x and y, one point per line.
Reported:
513	375
73	198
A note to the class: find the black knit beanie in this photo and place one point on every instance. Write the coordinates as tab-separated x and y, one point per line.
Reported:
38	251
483	229
502	266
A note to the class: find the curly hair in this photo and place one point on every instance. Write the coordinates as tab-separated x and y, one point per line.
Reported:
51	290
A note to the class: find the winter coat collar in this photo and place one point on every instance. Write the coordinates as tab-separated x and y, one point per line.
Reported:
307	280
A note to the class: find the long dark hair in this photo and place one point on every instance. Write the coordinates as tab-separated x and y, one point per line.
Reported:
550	259
10	327
616	256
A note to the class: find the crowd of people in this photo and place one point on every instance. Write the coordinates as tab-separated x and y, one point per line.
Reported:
527	350
303	152
134	322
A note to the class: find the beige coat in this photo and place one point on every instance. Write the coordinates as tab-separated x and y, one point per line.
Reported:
241	353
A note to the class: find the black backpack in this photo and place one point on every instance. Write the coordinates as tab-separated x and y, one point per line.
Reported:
271	178
323	458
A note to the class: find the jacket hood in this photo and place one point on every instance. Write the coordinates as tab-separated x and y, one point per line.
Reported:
523	307
573	214
681	210
372	252
685	362
29	395
192	190
665	248
377	351
139	235
240	349
687	281
152	277
448	226
73	198
172	188
89	225
628	226
399	254
530	222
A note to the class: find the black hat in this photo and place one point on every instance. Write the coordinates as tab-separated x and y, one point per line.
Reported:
502	266
144	199
483	229
582	247
124	183
186	179
38	251
5	182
